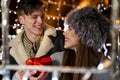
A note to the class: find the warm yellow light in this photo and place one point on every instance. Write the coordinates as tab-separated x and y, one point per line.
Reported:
84	3
106	2
118	21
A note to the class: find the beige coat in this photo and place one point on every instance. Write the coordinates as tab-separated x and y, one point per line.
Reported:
17	50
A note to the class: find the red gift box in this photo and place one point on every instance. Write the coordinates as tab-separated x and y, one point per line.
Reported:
44	60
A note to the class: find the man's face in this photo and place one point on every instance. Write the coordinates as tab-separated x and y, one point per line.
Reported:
33	23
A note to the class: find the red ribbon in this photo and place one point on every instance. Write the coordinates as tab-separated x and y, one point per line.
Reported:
44	60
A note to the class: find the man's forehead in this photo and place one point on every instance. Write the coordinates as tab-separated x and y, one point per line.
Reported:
37	13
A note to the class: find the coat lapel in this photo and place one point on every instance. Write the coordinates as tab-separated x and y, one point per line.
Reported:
18	52
17	49
46	44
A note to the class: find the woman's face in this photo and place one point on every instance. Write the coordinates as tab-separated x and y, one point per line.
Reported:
71	39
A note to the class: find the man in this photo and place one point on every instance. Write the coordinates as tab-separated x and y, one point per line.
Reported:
37	39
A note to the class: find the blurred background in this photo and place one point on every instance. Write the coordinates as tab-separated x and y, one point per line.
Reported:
56	11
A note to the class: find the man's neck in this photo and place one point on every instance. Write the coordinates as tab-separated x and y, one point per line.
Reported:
32	38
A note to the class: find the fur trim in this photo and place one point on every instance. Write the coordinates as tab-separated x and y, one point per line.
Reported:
19	54
46	43
17	50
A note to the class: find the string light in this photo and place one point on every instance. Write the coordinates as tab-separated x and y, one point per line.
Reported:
54	18
59	17
14	26
56	3
101	7
18	1
118	21
10	11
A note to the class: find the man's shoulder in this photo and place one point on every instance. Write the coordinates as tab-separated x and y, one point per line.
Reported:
58	42
16	40
60	33
59	37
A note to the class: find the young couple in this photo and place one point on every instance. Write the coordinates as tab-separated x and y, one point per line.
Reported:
85	31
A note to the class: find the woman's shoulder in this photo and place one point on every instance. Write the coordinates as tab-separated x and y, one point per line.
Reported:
57	58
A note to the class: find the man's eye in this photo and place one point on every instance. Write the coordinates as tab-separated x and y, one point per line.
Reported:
42	16
34	17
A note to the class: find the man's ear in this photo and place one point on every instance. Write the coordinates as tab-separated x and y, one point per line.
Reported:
21	20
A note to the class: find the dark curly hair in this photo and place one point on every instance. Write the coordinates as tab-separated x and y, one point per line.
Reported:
91	26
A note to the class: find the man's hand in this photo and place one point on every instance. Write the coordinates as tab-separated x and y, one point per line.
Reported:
41	76
21	73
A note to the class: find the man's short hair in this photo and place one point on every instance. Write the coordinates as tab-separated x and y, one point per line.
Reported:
29	6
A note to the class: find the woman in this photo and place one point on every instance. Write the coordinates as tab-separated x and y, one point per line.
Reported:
85	32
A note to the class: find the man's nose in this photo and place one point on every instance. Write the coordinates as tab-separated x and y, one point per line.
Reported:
39	19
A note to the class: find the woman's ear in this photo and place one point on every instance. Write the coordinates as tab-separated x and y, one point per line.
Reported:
21	20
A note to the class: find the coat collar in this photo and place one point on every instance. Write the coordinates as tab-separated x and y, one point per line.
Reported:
18	52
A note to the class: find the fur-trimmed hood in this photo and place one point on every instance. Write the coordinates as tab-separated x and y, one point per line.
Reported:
17	50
